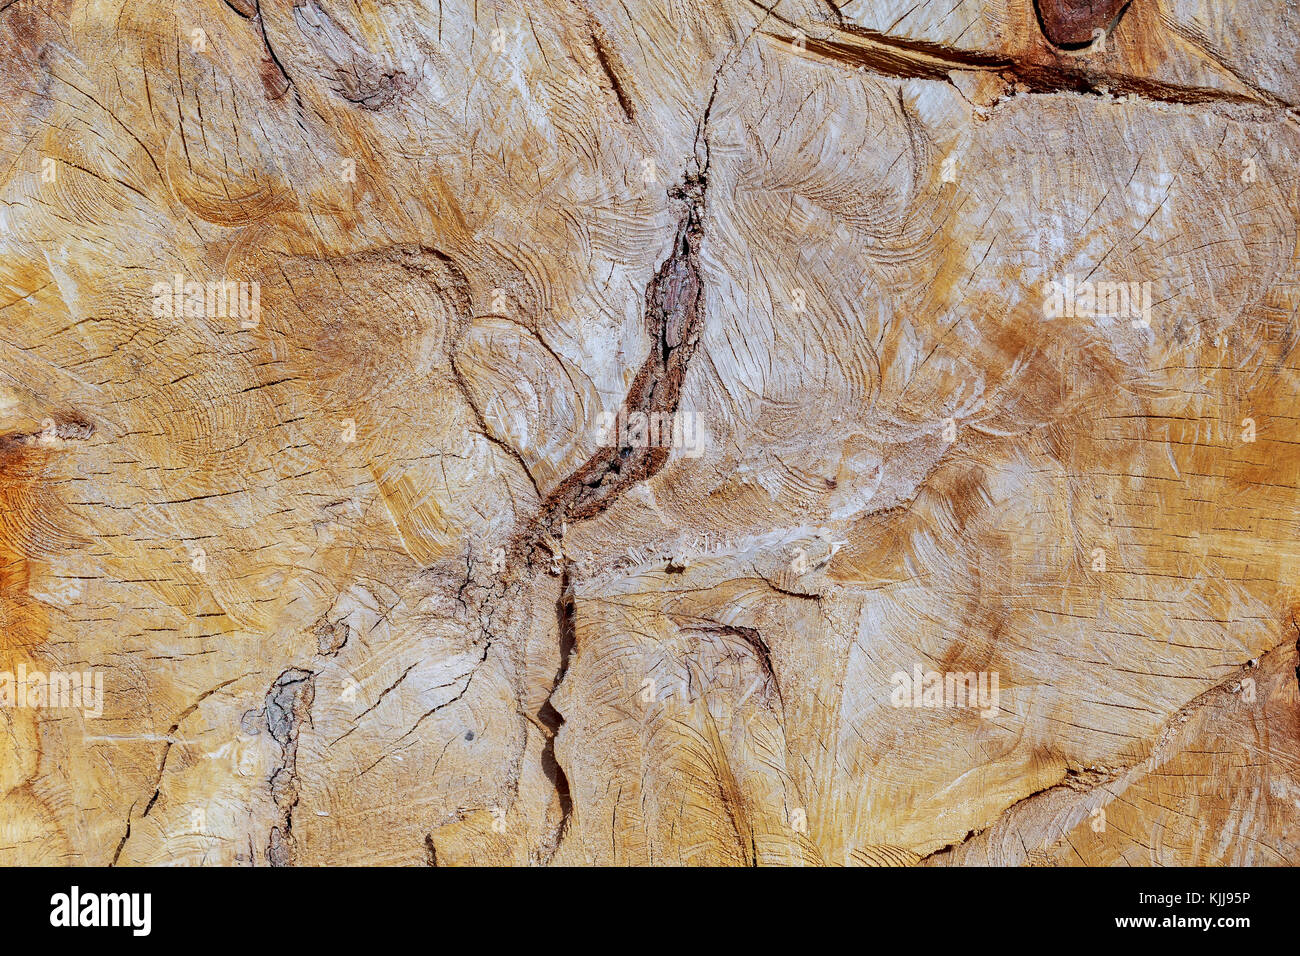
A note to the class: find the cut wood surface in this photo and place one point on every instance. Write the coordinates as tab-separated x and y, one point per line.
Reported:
703	432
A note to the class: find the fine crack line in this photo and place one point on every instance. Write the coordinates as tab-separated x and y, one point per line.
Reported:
162	763
125	836
1074	779
167	748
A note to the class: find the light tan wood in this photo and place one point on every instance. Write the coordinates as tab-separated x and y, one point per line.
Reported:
375	570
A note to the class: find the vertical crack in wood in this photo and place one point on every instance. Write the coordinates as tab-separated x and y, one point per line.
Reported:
673	317
551	718
288	704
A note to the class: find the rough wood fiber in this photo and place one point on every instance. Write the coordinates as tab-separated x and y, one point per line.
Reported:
382	567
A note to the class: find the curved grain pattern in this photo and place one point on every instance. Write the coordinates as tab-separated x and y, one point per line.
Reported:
463	434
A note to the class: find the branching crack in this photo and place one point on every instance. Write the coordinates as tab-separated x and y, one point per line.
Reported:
162	761
674	319
487	646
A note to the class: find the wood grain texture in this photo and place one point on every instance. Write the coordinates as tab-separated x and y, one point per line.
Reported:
624	401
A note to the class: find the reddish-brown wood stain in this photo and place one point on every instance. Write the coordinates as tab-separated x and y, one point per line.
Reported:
1070	23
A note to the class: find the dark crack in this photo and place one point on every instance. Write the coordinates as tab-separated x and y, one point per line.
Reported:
1088	780
487	646
162	762
1297	650
673	316
288	705
275	78
331	636
171	733
673	319
905	58
607	65
754	639
125	836
550	718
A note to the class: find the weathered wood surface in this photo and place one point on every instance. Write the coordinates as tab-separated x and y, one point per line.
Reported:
368	580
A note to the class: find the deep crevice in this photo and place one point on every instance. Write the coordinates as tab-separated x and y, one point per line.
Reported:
125	836
603	58
550	717
288	705
271	65
674	317
904	58
1297	650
